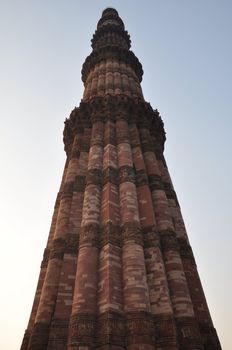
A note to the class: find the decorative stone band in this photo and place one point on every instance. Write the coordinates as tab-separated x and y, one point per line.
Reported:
170	193
79	183
150	237
82	331
111	234
188	334
155	182
58	334
112	108
58	249
140	328
147	146
165	332
95	177
68	190
209	336
89	236
198	299
131	232
112	53
159	151
110	175
111	29
126	174
111	329
72	243
141	178
186	250
39	336
88	330
168	240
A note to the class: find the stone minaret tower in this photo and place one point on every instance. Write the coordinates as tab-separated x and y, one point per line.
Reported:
118	271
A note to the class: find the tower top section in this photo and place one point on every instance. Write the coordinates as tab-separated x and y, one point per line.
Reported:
110	15
111	41
111	23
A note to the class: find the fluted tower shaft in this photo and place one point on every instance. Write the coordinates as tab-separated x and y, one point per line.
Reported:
118	270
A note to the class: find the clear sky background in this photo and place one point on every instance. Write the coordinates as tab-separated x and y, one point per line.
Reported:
185	49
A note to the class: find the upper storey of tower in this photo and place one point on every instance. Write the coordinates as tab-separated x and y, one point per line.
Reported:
111	68
111	32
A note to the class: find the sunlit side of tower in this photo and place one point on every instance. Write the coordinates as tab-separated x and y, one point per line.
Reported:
118	271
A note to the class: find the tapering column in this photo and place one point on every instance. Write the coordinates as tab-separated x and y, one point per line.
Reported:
161	306
48	299
140	332
207	330
178	287
118	271
111	325
44	264
60	322
84	306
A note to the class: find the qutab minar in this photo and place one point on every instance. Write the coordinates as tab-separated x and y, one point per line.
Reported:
118	271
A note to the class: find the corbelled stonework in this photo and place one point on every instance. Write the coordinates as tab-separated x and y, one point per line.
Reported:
118	271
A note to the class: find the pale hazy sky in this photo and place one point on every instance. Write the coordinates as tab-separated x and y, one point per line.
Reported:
185	49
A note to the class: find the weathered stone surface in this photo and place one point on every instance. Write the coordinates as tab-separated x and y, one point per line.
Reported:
111	331
140	330
165	332
118	271
39	336
82	331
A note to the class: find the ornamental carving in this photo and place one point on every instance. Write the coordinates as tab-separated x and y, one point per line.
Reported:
108	28
110	175
186	250
141	178
94	176
72	243
209	336
79	183
111	108
140	328
150	237
188	333
82	329
89	235
110	233
112	112
111	329
108	53
58	248
126	174
131	231
67	189
168	241
39	336
165	331
155	182
58	333
170	193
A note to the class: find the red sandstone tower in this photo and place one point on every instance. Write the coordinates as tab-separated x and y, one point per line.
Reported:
118	271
